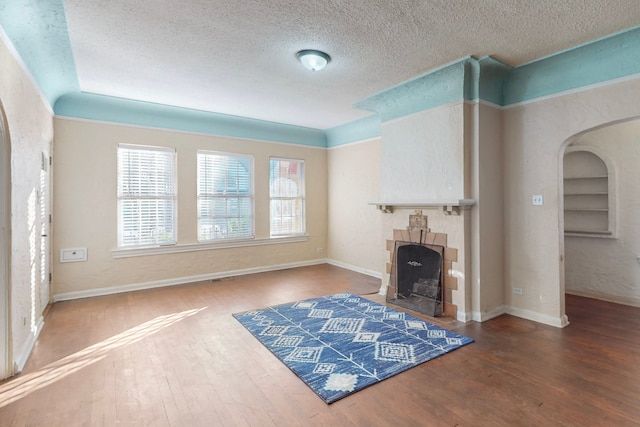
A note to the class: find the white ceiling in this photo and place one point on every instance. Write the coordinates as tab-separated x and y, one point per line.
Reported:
238	56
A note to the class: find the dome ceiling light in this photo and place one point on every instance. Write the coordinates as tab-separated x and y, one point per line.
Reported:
313	60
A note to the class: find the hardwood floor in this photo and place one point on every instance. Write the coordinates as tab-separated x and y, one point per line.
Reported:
176	357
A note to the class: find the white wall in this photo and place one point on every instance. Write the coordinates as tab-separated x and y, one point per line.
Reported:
608	268
354	239
534	138
30	131
85	209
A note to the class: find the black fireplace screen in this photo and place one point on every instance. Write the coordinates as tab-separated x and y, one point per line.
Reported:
416	278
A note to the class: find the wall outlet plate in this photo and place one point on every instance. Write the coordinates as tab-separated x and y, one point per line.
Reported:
537	200
73	255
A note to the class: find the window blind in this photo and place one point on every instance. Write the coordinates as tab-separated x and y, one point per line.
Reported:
287	197
146	195
225	196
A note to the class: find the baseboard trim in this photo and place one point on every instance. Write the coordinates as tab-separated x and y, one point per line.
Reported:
478	316
20	359
464	316
633	302
558	322
66	296
368	272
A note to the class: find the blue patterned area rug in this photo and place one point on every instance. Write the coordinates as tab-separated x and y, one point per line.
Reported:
339	344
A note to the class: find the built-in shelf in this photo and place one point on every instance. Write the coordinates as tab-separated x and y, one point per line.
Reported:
588	232
587	200
449	206
599	193
571	178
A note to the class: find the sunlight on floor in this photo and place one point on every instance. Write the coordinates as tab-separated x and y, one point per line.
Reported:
25	384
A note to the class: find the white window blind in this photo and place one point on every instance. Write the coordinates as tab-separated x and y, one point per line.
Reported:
286	183
146	195
225	196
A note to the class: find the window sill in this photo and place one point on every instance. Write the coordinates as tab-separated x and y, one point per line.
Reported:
192	247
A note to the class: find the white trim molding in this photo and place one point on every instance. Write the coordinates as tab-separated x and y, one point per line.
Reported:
66	296
191	247
631	301
366	271
478	316
21	358
558	322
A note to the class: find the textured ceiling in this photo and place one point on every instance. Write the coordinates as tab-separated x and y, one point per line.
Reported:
238	57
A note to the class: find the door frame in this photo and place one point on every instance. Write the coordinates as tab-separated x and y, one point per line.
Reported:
6	365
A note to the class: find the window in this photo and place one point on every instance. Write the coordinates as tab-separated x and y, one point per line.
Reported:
225	196
286	182
146	195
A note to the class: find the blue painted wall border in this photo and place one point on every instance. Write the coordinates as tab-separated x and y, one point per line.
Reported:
357	130
609	58
38	31
118	110
46	51
438	87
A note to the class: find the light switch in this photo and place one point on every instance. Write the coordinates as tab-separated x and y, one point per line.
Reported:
537	200
73	255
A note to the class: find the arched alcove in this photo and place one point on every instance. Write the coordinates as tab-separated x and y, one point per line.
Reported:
601	186
588	207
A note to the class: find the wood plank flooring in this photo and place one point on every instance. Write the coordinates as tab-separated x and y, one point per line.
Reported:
176	357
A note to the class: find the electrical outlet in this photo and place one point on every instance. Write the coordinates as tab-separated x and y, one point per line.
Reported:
517	291
319	250
537	200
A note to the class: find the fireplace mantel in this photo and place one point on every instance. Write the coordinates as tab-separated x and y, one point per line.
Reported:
449	206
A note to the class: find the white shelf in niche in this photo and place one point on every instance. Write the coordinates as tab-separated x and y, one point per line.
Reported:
588	233
587	194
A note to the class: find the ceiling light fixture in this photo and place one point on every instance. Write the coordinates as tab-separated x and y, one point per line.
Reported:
313	60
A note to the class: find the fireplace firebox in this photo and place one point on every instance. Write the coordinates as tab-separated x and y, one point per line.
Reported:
416	280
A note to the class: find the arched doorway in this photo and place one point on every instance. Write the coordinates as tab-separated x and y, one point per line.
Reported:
5	247
601	207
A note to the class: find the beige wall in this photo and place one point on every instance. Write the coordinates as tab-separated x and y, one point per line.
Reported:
85	209
534	137
423	159
485	298
609	268
354	239
423	155
30	131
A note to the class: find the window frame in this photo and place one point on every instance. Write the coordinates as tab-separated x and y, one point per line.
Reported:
251	197
171	197
301	197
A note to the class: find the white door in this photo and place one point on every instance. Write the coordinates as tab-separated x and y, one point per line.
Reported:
45	228
5	246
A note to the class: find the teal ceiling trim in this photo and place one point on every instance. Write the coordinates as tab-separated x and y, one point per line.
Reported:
471	80
492	78
124	111
357	130
438	87
605	59
38	31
